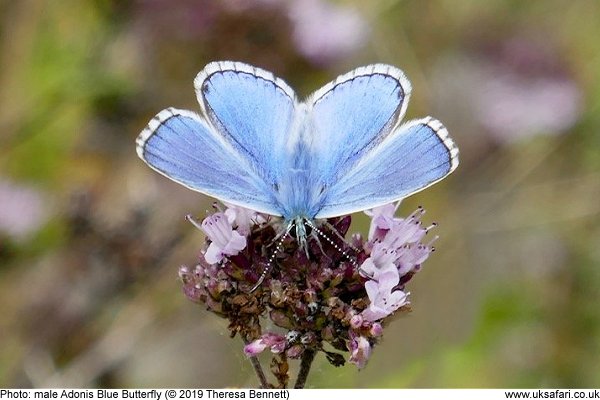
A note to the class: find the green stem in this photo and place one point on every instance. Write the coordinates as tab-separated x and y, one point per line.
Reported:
307	358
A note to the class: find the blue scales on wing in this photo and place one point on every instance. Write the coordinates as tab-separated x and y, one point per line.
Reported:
366	157
412	158
353	114
253	109
342	150
228	152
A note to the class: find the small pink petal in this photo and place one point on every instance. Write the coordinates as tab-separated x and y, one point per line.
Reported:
374	313
356	321
242	218
213	254
360	351
254	348
376	329
382	219
236	243
224	240
388	280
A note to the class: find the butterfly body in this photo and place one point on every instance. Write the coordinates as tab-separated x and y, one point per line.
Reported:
341	150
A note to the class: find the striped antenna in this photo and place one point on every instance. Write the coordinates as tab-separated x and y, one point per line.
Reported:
331	242
271	259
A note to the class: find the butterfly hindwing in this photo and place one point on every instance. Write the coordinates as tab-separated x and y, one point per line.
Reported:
413	157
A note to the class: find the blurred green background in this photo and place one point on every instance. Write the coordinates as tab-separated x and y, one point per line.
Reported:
91	238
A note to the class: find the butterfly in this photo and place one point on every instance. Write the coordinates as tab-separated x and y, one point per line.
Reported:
341	150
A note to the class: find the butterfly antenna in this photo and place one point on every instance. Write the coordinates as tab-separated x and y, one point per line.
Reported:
331	242
269	266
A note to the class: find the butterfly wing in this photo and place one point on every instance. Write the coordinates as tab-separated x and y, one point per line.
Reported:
182	146
354	113
413	157
247	144
253	110
227	152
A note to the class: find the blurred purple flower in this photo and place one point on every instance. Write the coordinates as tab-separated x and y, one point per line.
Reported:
23	210
515	106
224	239
321	31
325	32
515	88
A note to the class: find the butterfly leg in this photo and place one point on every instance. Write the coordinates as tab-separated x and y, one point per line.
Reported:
339	235
331	242
315	235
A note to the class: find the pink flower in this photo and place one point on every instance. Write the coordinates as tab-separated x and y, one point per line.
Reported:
394	242
274	341
255	348
360	350
412	257
384	300
380	261
394	252
23	210
243	218
224	239
407	230
382	220
376	329
325	32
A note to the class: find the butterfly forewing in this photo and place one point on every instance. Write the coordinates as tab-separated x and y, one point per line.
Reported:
352	114
252	109
182	146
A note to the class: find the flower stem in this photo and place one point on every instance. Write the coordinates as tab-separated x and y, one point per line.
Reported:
307	358
258	370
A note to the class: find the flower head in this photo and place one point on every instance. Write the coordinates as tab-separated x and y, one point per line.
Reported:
394	242
329	292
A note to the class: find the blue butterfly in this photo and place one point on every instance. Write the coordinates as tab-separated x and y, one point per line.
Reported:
341	150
